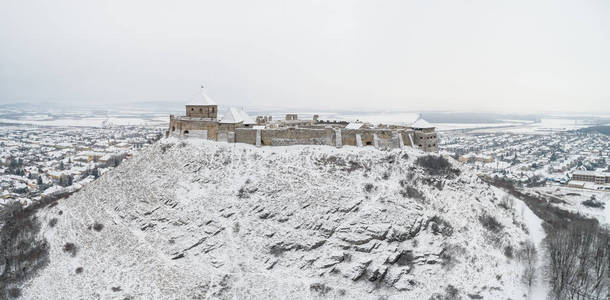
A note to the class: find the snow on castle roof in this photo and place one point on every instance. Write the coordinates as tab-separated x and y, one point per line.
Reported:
235	115
231	116
202	99
247	119
353	126
422	124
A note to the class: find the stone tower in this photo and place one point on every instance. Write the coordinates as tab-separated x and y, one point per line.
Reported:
202	107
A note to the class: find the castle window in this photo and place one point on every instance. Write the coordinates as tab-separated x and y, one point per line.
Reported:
173	128
186	132
368	143
192	109
200	110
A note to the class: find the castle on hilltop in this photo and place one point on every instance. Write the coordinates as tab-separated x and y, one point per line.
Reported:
236	126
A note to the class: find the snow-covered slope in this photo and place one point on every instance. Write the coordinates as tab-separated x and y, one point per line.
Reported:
198	219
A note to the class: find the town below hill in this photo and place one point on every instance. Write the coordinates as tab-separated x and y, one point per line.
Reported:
37	161
570	164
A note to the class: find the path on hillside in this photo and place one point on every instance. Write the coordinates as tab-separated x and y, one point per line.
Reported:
538	290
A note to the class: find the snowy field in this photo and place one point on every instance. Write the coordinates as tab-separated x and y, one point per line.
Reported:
466	126
545	126
385	118
95	121
574	198
158	115
395	118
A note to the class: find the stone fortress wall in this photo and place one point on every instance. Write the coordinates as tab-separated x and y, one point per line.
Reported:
283	136
381	138
200	127
236	126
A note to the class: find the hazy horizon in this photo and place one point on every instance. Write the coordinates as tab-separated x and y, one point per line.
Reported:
166	108
476	56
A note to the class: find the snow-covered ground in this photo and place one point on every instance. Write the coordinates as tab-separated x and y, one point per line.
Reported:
200	219
385	118
540	289
463	126
574	198
97	121
545	126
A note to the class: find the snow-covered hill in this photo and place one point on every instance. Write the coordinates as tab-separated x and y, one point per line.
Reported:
198	219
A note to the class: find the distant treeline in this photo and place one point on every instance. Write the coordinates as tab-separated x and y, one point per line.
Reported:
601	129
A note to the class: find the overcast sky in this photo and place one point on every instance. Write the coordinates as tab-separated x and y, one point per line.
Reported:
517	56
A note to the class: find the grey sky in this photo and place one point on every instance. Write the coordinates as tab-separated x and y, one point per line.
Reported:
518	56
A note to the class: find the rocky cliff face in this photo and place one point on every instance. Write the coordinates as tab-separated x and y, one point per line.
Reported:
198	219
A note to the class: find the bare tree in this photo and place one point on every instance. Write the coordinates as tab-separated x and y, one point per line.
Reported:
528	255
579	261
507	202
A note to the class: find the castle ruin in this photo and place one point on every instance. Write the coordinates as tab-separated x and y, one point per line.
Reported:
236	126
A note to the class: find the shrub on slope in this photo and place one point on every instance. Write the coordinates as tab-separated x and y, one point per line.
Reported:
436	165
22	252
